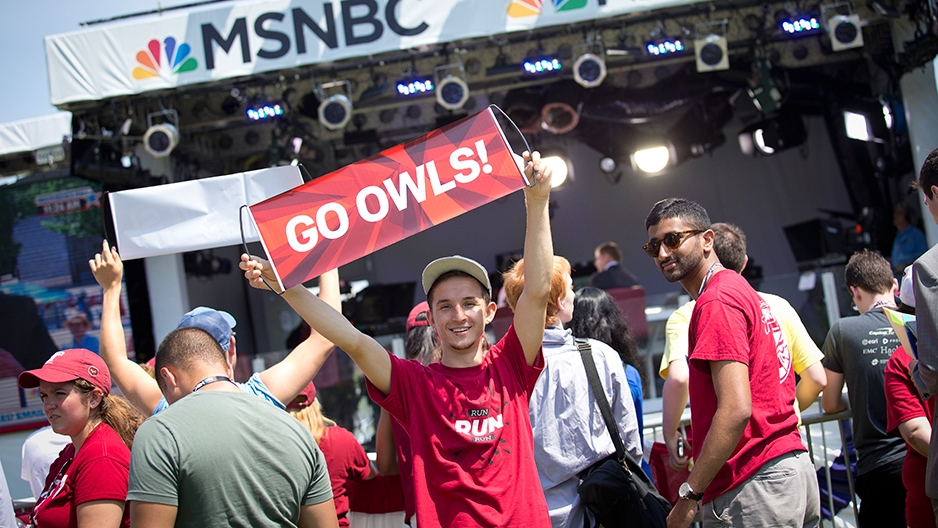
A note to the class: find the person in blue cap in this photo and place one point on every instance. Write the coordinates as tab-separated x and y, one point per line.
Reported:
278	384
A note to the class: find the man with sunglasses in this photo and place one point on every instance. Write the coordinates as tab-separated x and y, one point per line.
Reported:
729	244
751	468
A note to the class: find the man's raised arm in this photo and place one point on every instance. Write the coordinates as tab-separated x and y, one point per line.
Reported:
287	378
136	385
531	310
367	353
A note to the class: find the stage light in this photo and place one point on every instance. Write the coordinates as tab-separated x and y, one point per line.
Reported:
607	165
893	114
589	69
160	140
664	47
335	111
561	111
264	111
710	47
421	86
800	26
561	169
541	66
654	159
765	95
711	53
844	30
452	90
857	126
772	136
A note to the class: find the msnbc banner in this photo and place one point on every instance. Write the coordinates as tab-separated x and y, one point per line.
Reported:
388	197
214	41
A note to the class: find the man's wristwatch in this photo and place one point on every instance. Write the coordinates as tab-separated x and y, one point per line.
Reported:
685	492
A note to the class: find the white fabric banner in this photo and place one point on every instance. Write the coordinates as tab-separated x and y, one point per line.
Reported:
225	40
193	215
33	134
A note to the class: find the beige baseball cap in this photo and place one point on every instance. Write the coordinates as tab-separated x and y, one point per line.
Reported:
455	263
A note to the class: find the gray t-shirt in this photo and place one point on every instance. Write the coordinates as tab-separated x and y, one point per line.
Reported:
227	459
859	347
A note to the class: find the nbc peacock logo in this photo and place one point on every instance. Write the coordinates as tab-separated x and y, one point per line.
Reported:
171	60
526	8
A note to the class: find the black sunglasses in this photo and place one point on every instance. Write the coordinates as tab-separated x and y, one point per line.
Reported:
671	241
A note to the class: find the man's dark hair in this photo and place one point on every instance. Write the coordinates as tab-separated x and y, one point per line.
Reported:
929	173
611	249
185	347
870	271
729	243
484	292
688	211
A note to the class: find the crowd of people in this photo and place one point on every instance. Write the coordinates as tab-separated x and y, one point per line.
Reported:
500	434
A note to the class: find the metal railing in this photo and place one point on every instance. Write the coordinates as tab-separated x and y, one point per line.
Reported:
815	430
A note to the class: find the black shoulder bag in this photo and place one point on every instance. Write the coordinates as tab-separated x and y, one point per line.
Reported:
615	489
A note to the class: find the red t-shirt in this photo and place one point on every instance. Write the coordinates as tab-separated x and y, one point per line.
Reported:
904	403
346	460
732	322
99	471
471	440
405	466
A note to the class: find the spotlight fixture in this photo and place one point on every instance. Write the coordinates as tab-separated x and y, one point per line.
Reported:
589	69
416	86
800	26
335	111
542	65
607	165
893	113
765	95
561	111
560	165
664	47
160	139
843	28
654	159
772	136
264	111
711	51
452	90
857	126
845	32
868	121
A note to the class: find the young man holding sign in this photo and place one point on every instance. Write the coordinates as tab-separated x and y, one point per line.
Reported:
467	416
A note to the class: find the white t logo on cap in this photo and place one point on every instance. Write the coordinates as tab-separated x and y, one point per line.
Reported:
57	354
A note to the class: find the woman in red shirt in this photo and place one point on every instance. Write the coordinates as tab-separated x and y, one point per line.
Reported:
346	459
87	485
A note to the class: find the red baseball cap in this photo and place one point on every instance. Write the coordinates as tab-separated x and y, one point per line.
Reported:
304	399
69	365
414	320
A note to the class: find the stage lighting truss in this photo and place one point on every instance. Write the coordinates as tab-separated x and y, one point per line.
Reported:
589	69
844	30
452	90
160	139
710	46
335	110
